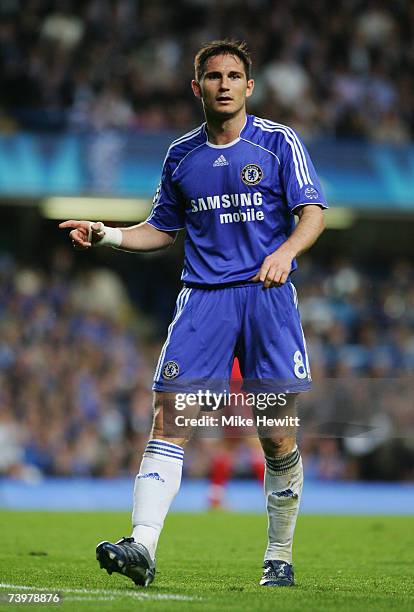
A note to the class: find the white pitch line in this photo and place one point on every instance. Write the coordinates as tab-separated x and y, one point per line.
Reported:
102	592
77	598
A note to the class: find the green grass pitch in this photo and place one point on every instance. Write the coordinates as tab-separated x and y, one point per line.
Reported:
211	561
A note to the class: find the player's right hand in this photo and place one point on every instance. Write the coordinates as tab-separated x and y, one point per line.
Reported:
84	234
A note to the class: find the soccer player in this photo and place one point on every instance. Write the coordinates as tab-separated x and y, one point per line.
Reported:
234	184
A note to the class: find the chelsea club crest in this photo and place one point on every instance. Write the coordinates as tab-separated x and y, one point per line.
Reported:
251	174
171	369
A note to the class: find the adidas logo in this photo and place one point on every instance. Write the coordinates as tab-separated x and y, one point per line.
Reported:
220	161
152	475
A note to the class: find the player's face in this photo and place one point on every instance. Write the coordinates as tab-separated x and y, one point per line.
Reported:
224	87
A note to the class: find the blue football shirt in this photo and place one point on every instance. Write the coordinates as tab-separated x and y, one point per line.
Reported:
236	201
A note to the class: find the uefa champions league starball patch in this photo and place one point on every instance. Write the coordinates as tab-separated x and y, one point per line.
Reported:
251	174
311	193
171	369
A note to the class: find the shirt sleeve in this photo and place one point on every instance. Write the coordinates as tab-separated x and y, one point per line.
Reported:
299	178
167	211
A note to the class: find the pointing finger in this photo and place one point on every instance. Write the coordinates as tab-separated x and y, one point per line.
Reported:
75	224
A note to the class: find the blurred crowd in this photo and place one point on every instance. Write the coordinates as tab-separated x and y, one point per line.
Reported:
77	358
340	69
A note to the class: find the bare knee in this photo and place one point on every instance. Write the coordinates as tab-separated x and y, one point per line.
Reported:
282	440
163	426
275	447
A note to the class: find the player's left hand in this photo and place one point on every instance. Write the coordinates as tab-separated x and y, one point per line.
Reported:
275	269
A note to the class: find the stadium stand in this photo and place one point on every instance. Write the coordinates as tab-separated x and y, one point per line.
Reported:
101	66
337	69
75	372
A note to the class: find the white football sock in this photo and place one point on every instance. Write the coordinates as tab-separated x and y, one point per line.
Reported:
155	487
283	488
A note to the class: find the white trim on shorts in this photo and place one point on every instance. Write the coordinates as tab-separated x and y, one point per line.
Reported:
182	300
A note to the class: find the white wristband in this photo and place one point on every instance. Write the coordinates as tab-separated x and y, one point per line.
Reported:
109	236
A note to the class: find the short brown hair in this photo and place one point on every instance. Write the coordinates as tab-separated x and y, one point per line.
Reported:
226	46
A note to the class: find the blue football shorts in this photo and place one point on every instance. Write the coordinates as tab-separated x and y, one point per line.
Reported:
261	327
